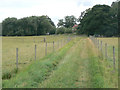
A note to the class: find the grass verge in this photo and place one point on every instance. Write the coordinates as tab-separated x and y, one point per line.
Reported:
38	71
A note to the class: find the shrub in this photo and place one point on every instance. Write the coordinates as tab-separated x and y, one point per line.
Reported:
61	30
68	30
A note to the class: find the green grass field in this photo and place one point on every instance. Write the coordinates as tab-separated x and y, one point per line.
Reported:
110	43
74	65
26	51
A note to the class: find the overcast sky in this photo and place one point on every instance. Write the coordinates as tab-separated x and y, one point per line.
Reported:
55	9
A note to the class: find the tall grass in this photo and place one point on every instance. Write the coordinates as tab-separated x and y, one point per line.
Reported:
26	51
37	71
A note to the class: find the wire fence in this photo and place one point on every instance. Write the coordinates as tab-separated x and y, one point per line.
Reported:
107	52
24	54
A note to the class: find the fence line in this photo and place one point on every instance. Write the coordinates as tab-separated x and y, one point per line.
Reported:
46	48
100	48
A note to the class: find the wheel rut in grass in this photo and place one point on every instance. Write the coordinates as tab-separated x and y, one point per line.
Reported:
72	70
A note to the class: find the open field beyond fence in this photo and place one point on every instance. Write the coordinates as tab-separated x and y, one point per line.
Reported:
26	50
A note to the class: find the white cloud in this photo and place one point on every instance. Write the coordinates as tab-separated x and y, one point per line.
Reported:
55	9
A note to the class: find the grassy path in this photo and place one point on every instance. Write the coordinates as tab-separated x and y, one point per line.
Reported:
74	71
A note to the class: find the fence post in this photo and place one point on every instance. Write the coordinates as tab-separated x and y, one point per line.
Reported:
101	46
105	50
53	46
95	43
114	57
98	44
46	49
44	39
17	58
35	51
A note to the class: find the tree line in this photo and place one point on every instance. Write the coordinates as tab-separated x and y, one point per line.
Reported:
99	20
28	26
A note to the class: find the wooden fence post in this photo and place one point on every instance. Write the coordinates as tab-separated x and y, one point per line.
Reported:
46	49
114	57
17	58
35	51
98	44
53	46
101	46
44	39
95	42
105	50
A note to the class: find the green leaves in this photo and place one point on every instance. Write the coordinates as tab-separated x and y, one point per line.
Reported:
28	26
98	20
68	21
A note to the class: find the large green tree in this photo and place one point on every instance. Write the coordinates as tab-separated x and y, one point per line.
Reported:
68	21
100	20
65	25
60	23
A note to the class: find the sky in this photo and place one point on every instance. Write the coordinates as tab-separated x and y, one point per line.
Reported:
55	9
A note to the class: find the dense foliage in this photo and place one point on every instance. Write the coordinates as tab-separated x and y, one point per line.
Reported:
34	25
66	25
68	21
119	19
63	30
99	20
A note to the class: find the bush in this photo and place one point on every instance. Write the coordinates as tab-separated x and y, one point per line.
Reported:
68	30
61	30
